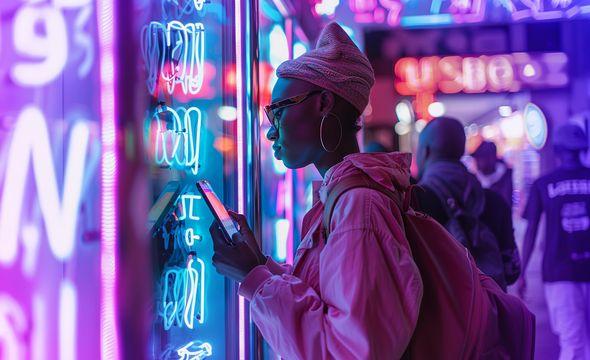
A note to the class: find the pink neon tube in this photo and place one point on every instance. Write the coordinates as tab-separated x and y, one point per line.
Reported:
240	154
108	261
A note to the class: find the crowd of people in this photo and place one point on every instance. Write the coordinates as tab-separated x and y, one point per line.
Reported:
373	276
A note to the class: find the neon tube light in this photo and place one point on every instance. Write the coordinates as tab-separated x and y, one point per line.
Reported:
193	351
184	139
67	321
426	20
13	324
108	312
30	144
240	161
182	288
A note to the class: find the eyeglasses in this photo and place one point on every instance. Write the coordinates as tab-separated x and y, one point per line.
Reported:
270	110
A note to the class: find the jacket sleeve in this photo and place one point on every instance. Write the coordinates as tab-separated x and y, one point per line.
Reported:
369	302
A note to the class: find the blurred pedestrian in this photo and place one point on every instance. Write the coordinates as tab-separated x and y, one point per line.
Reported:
492	172
478	218
564	197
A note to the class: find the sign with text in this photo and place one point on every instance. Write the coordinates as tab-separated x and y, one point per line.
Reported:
480	74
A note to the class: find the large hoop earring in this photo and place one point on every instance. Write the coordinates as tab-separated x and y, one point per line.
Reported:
322	133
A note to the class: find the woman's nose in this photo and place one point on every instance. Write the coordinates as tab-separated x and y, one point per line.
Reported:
272	134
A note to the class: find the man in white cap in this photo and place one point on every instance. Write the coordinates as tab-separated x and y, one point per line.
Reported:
564	196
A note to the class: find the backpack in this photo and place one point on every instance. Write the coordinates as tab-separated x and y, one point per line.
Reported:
464	314
474	234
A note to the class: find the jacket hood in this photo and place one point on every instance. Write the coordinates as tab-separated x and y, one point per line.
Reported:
391	170
450	179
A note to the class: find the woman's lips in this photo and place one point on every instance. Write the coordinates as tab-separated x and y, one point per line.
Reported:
277	150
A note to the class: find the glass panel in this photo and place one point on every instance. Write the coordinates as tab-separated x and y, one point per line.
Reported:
188	136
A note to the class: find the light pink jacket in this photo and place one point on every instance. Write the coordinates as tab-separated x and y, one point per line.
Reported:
356	295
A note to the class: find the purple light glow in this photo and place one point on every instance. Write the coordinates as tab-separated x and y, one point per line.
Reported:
108	311
240	160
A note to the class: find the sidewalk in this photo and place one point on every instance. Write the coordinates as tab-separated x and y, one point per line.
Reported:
547	344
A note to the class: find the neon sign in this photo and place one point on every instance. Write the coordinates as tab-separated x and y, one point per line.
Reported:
180	290
47	51
194	351
14	326
376	11
445	12
180	145
496	73
177	8
187	202
176	53
30	144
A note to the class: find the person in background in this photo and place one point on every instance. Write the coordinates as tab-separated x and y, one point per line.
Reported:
375	147
492	172
480	219
564	197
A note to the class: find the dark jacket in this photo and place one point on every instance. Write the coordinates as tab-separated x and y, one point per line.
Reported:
488	206
503	185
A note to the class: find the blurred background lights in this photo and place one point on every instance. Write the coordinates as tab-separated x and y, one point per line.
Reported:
227	113
489	132
420	125
529	70
299	49
326	7
436	109
404	112
279	45
512	127
505	110
402	128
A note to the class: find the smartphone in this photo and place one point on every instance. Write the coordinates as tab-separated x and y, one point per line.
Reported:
219	211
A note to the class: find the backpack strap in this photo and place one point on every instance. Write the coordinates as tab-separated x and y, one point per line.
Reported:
354	182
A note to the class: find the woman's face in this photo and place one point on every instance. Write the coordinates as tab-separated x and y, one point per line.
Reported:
296	138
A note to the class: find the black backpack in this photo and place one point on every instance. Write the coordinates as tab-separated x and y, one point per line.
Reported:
475	235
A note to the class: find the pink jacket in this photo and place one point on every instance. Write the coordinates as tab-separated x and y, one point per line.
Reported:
356	295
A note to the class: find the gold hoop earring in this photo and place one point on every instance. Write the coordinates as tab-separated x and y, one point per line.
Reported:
322	133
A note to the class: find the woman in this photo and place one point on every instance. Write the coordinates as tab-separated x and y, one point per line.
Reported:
357	293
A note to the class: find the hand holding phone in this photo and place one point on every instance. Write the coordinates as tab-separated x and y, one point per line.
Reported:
218	210
238	260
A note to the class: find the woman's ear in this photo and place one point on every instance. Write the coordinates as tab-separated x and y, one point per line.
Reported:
327	102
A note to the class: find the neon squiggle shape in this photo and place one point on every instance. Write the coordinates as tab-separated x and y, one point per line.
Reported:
190	237
153	48
184	139
187	201
198	351
186	48
178	307
191	285
175	9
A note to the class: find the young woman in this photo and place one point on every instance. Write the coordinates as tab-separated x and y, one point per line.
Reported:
357	293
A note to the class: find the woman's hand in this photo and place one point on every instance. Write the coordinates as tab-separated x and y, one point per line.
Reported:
236	261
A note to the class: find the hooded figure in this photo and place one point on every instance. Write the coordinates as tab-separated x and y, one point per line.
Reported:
356	293
493	173
477	217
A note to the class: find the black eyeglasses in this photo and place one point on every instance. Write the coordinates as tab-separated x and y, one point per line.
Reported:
270	110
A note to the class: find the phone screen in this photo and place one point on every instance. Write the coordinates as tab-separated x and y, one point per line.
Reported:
217	208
